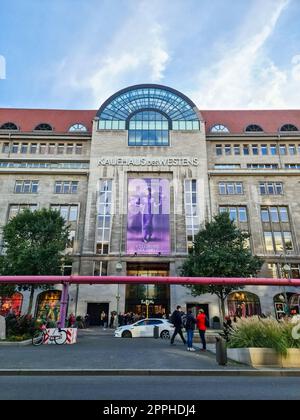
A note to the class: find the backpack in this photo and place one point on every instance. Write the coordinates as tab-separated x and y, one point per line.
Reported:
183	320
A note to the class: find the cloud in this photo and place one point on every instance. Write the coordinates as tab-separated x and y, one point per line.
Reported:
243	75
136	52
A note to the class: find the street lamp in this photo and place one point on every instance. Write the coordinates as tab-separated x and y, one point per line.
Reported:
119	268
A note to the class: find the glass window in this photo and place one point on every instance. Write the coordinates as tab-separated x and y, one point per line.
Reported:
34	186
262	188
274	214
222	188
24	147
242	214
219	128
288	242
254	149
227	149
78	127
269	241
283	214
278	188
282	149
264	149
236	149
292	149
239	188
278	241
246	149
33	148
18	186
73	213
219	149
233	213
42	148
146	129
69	148
15	148
78	149
58	187
60	148
273	149
5	148
271	188
264	213
230	188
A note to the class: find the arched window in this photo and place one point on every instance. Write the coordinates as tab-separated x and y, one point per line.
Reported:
219	128
48	305
253	127
150	109
8	126
243	304
148	128
11	304
78	127
289	127
43	127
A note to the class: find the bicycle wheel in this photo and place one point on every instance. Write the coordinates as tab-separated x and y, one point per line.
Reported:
60	337
38	338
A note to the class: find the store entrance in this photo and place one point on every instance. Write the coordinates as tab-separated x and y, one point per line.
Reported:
148	299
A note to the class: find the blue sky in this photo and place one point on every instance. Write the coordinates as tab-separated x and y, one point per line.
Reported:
223	54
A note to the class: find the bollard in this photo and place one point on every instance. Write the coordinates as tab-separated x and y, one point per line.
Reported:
156	332
221	351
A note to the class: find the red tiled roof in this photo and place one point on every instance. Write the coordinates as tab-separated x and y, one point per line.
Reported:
236	121
60	120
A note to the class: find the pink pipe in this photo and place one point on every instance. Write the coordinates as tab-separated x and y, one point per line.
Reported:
253	281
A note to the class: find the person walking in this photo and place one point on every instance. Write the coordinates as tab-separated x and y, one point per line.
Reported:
201	324
190	326
102	319
176	320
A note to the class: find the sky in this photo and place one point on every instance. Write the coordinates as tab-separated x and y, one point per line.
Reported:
223	54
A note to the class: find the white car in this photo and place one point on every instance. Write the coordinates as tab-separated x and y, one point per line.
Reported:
145	328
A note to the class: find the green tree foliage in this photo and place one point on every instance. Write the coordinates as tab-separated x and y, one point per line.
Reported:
34	244
220	250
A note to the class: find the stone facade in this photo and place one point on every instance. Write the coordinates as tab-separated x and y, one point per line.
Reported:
199	144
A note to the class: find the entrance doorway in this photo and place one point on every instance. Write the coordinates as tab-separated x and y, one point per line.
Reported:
94	310
195	308
158	295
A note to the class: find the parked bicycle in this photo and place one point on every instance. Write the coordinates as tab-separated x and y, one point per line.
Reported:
58	336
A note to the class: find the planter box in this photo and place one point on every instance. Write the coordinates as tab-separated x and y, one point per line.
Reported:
265	357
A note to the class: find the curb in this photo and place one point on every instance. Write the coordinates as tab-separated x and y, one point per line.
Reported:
151	372
16	343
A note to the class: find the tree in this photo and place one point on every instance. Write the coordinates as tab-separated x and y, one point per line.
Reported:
220	250
34	244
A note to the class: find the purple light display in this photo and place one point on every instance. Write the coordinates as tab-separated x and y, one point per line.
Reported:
148	221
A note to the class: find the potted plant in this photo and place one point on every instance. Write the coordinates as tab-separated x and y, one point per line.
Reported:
216	323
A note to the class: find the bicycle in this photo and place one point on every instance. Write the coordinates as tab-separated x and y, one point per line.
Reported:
59	336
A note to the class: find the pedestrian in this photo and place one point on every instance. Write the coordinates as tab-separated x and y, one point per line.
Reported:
102	319
201	324
87	320
71	320
112	317
190	326
176	320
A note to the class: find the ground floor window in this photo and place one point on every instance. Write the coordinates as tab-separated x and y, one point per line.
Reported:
242	304
11	304
286	303
48	305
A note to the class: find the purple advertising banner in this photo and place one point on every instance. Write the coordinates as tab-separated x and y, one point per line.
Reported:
148	222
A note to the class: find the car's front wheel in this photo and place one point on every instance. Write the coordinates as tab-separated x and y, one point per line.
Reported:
126	334
165	335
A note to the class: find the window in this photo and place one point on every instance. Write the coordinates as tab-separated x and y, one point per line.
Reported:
219	149
236	149
68	212
292	166
8	126
24	147
253	127
148	128
70	147
43	127
219	128
274	214
66	187
292	149
78	149
26	187
100	268
227	149
273	149
227	166
42	148
271	188
262	166
288	127
51	148
278	241
264	149
5	148
230	188
60	148
269	241
78	127
14	209
246	149
235	213
33	148
15	148
254	149
104	217
191	211
282	149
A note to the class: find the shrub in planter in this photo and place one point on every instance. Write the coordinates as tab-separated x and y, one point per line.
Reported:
263	333
19	325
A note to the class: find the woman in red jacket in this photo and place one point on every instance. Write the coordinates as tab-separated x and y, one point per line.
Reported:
201	324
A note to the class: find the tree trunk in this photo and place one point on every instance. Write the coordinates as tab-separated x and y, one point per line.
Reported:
222	309
30	300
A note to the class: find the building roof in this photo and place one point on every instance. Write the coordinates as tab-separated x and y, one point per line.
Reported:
60	120
236	121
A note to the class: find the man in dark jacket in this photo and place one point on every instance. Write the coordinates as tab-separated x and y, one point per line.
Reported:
176	320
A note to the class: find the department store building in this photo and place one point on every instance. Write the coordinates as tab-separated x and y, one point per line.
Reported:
137	179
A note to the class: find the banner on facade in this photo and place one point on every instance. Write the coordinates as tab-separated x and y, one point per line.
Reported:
148	224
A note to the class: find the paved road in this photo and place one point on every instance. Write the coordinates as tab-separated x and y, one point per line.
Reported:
148	388
96	350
